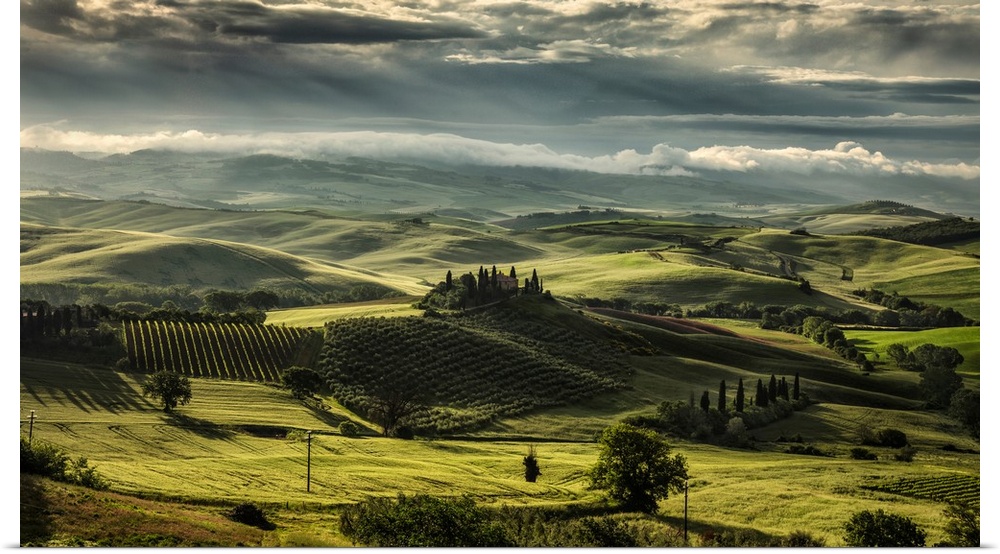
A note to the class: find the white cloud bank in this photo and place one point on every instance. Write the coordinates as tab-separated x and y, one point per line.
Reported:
847	158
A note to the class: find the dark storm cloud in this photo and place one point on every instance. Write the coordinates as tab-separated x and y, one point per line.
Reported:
771	7
197	22
51	16
318	25
516	66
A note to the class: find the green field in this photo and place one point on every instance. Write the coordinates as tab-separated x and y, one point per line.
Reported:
539	370
221	447
317	316
67	240
963	339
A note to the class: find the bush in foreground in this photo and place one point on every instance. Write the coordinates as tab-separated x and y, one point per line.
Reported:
249	514
421	520
40	458
868	529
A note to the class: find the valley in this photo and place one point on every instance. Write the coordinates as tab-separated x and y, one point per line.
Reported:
639	312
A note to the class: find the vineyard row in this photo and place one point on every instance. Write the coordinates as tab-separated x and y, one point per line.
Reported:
222	350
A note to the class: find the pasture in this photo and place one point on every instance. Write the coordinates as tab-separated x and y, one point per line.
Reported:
237	441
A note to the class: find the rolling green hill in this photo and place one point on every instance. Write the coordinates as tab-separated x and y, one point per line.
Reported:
59	256
689	264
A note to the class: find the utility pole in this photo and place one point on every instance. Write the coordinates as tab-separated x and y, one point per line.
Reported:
31	425
685	511
309	438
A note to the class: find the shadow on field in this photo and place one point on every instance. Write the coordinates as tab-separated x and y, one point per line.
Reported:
36	519
322	414
88	389
201	427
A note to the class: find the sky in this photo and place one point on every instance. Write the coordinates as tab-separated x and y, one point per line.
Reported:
884	87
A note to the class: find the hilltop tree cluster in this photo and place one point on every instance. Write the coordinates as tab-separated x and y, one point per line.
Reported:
724	420
471	290
905	312
928	233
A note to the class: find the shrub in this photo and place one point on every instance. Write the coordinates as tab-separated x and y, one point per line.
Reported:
421	520
605	531
249	514
349	429
808	450
859	453
740	538
893	438
905	454
736	434
868	529
41	458
802	539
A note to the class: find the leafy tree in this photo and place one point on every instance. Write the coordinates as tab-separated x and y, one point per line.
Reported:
302	381
635	467
868	529
722	396
938	384
223	301
531	470
964	407
421	520
394	399
262	299
740	396
170	387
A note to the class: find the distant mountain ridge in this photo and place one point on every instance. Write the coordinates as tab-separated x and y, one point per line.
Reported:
268	181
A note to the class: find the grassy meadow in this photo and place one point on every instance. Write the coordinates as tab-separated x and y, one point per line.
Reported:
963	339
222	448
244	441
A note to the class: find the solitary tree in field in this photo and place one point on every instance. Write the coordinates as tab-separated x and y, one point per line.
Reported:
636	469
302	381
170	387
722	396
531	470
740	396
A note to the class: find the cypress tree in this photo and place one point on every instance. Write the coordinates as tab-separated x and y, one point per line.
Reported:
447	282
783	388
795	387
513	273
722	396
772	389
760	397
740	399
706	403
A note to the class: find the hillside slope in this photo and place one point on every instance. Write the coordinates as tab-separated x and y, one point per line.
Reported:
55	255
